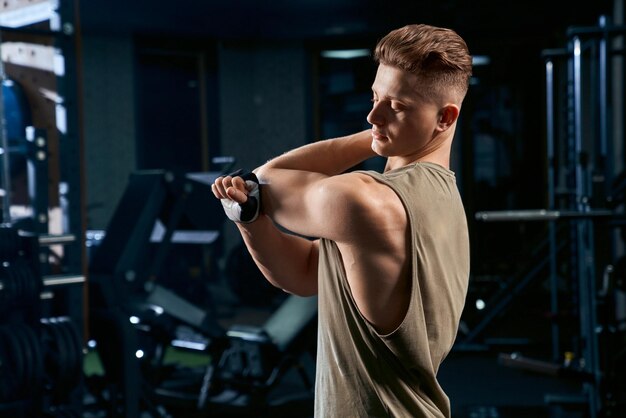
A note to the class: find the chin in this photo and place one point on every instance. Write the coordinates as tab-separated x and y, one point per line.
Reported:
379	148
375	147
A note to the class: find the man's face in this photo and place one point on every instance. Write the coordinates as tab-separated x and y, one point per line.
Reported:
403	121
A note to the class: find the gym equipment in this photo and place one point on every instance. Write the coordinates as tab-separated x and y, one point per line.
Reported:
40	359
22	362
581	214
41	313
257	358
137	315
126	266
20	285
63	354
539	215
126	271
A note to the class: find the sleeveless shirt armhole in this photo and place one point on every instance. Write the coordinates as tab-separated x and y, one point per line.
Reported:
390	335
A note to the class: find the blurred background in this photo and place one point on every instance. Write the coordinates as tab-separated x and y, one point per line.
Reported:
125	293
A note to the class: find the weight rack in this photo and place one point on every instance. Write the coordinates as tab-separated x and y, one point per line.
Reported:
42	302
41	352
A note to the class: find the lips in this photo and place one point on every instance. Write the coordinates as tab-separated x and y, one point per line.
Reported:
378	136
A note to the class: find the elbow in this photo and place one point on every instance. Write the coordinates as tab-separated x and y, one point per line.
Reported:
263	173
303	290
304	293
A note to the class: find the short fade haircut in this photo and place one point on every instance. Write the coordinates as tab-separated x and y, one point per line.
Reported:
438	56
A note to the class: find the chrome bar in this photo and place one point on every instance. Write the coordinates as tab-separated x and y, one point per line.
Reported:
62	279
56	239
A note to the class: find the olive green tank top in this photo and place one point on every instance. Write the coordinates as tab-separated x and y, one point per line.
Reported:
363	374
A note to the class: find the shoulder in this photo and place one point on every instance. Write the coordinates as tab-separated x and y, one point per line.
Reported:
355	204
348	181
356	190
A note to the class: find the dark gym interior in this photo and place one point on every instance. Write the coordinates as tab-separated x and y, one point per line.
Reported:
126	292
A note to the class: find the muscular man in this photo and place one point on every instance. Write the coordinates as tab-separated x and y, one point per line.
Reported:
391	264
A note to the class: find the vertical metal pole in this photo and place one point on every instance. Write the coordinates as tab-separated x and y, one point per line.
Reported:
583	239
618	135
603	99
4	142
579	183
570	179
582	289
603	105
605	159
70	134
68	119
554	297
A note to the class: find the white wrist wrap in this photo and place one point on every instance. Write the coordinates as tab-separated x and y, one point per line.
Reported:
248	211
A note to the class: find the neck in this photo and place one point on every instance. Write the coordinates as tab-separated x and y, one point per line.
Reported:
440	156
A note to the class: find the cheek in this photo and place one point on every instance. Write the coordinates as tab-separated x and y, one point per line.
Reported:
420	123
408	126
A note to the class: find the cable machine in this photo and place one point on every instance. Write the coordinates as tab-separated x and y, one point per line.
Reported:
581	198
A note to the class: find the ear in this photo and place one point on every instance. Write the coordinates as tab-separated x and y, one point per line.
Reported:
447	116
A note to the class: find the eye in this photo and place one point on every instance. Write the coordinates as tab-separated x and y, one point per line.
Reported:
396	106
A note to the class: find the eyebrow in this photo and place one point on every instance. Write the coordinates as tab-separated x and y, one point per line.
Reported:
403	101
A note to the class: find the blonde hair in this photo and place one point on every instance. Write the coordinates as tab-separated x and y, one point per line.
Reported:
438	56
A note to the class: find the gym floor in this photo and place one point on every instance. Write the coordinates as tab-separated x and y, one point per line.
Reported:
478	385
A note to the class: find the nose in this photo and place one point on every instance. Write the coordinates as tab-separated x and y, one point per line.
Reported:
375	117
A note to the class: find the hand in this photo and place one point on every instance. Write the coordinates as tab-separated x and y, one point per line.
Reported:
240	196
233	188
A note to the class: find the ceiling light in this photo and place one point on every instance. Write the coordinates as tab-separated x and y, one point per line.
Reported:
478	60
346	54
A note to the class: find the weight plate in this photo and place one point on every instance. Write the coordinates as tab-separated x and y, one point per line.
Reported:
54	356
7	377
66	355
15	361
69	369
62	384
20	338
38	366
21	357
75	343
45	339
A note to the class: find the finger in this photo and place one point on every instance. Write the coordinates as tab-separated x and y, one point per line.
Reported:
236	195
223	184
216	192
240	184
227	182
218	188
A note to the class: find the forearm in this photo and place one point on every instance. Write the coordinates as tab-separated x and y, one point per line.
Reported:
329	157
287	261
